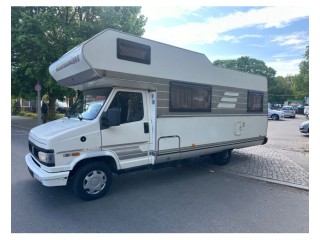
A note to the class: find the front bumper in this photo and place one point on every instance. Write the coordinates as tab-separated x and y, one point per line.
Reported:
289	115
303	130
46	178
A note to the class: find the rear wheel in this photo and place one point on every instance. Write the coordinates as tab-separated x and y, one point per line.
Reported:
222	158
92	181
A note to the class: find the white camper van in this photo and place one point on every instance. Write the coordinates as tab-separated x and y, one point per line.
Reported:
143	103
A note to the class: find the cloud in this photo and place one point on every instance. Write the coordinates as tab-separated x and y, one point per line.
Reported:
210	28
196	28
236	39
155	13
298	40
224	57
285	67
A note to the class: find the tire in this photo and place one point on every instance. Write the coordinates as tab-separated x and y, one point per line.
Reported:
275	117
92	181
222	158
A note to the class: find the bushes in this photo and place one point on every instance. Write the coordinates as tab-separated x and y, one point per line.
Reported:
34	115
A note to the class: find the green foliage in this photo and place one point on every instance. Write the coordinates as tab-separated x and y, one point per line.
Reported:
28	114
280	89
13	106
34	115
41	35
254	66
300	82
45	98
249	65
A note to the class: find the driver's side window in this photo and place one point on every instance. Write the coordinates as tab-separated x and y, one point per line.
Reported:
130	105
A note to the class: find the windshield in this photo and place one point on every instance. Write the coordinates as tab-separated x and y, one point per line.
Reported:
89	103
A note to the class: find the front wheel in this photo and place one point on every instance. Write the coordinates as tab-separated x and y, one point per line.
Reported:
92	181
222	158
275	117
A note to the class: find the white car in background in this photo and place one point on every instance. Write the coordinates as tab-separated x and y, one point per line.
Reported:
304	127
288	111
275	114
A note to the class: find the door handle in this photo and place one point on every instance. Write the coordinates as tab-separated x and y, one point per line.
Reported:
146	127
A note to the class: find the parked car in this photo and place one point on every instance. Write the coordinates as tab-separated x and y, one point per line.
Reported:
61	107
275	114
288	111
295	107
304	127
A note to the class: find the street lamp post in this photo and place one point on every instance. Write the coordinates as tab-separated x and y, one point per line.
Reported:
37	87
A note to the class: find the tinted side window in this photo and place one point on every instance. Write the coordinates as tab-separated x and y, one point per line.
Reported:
186	97
130	105
255	101
133	51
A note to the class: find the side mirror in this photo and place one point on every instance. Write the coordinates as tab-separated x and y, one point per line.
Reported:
110	118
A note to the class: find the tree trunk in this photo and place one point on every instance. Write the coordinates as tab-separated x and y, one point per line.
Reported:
52	107
70	104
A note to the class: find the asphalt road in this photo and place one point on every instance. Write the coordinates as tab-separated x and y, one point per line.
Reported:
284	135
187	199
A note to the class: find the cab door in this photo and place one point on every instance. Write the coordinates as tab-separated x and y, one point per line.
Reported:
129	140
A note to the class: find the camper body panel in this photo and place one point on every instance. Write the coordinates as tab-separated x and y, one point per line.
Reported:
186	137
167	62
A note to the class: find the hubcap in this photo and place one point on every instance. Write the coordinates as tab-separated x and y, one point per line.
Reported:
95	182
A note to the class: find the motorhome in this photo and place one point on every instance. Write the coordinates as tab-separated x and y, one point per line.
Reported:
142	103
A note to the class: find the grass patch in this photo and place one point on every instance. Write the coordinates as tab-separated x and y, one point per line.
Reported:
27	114
34	115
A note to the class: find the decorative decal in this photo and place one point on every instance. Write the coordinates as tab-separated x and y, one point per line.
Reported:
229	100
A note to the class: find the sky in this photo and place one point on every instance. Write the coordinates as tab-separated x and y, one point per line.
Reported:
277	35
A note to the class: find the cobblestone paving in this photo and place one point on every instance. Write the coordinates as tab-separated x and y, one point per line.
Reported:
267	164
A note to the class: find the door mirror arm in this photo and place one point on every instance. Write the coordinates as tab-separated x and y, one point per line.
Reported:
110	118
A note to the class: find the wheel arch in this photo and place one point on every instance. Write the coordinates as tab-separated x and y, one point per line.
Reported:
108	160
277	117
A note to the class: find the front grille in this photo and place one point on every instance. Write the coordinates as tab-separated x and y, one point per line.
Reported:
34	150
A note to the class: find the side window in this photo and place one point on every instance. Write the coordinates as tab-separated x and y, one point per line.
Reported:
133	51
255	101
130	105
186	97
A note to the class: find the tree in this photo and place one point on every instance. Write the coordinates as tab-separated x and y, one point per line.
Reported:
282	89
251	65
300	82
40	35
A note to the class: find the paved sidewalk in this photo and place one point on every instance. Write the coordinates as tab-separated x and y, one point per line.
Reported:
267	164
260	162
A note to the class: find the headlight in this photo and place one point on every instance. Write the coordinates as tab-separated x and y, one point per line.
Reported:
46	158
304	124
